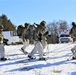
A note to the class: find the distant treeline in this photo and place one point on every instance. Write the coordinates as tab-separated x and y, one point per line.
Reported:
7	24
52	27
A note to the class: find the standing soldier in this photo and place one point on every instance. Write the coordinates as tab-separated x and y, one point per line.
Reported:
25	38
44	38
73	31
2	51
39	35
73	35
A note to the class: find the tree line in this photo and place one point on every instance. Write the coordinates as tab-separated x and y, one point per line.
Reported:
52	27
7	24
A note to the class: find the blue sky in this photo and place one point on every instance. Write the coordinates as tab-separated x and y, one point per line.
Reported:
21	11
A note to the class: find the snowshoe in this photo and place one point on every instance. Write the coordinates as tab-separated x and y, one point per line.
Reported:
30	57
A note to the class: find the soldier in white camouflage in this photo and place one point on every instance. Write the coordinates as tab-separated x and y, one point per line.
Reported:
40	38
73	31
73	35
25	38
2	50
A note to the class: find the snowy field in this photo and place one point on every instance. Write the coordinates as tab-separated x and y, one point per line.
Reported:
56	63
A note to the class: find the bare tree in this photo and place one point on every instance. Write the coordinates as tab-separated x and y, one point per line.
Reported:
63	25
52	28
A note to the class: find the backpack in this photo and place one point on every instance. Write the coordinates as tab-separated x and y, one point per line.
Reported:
20	29
29	32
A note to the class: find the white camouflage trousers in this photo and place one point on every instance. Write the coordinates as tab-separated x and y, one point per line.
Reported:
74	51
2	51
25	44
44	43
38	47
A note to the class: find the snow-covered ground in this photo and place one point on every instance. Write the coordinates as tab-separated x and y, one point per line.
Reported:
56	63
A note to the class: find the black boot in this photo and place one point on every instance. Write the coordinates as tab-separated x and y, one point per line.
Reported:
31	57
42	58
73	58
3	59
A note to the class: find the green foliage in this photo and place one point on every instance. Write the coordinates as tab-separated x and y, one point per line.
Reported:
7	24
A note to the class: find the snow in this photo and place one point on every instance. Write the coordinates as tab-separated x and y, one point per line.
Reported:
56	63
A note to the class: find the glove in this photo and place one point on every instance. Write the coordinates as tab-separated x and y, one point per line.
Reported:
5	41
46	32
